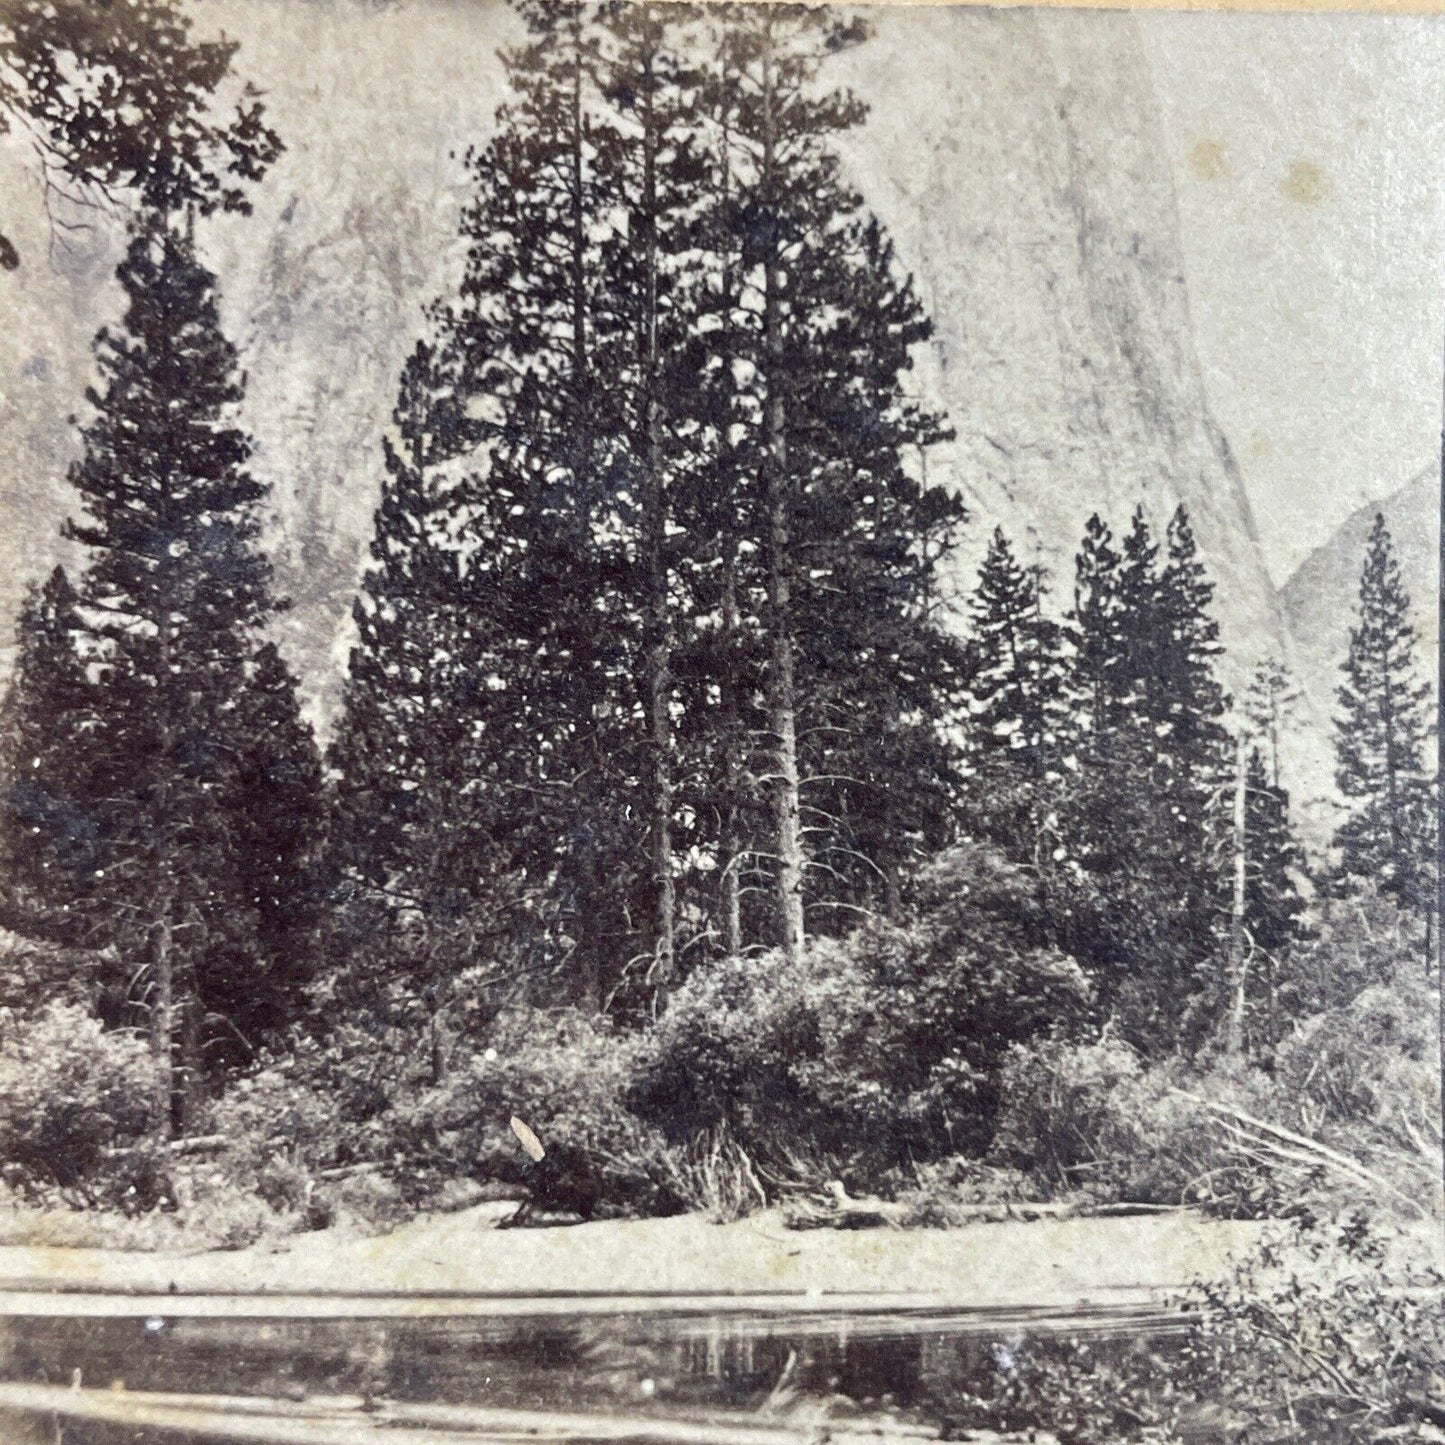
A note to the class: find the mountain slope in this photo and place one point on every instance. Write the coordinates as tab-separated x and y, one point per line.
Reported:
1320	600
1036	206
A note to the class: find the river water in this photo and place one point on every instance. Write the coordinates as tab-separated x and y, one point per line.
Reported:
919	1368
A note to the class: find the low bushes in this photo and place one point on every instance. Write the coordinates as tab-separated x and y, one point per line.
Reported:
877	1051
76	1106
564	1074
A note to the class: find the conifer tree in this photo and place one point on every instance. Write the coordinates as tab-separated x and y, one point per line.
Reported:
1270	705
551	531
1098	674
686	521
46	829
123	96
277	844
855	662
1191	702
416	840
186	701
1014	664
1381	732
1144	810
1015	691
1273	905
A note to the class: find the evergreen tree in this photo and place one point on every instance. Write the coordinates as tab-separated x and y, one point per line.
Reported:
1014	663
416	838
277	843
186	703
857	672
1270	705
47	833
1098	677
1015	692
548	358
1189	702
1381	735
1274	908
122	96
1144	812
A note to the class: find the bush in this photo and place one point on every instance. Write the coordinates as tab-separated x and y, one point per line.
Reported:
564	1074
877	1050
1334	1333
1092	1117
1061	1111
76	1107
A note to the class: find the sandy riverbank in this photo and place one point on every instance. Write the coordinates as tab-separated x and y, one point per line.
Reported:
1037	1263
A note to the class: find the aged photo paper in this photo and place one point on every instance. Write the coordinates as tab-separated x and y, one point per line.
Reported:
718	723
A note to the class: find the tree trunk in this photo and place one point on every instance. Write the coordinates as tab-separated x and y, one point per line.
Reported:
1237	962
730	841
163	1016
188	1093
659	650
783	674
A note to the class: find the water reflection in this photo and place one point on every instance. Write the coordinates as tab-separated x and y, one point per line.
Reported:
916	1367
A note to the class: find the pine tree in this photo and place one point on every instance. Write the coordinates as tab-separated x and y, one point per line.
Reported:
277	843
174	598
1015	682
649	593
1098	672
1381	732
1190	701
1145	810
548	357
857	672
1270	704
122	96
417	841
1274	908
47	832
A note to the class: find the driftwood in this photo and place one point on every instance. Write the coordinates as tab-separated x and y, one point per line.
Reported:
1267	1143
198	1144
835	1208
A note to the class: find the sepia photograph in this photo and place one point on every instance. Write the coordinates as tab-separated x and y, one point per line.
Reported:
718	724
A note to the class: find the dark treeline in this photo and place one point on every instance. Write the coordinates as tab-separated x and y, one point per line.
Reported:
658	718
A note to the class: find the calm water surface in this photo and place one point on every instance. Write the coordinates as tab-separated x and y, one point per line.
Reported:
913	1366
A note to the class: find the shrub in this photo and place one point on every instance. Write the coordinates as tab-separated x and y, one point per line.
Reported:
76	1106
1061	1107
275	1113
1093	1117
1333	1333
564	1074
877	1050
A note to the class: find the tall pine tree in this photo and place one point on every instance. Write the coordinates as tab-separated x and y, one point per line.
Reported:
1015	681
1142	816
1381	734
188	744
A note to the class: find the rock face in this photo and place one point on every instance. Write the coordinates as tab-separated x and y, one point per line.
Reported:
1016	157
1322	598
1033	199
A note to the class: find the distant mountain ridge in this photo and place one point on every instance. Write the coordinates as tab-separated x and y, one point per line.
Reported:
1321	599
